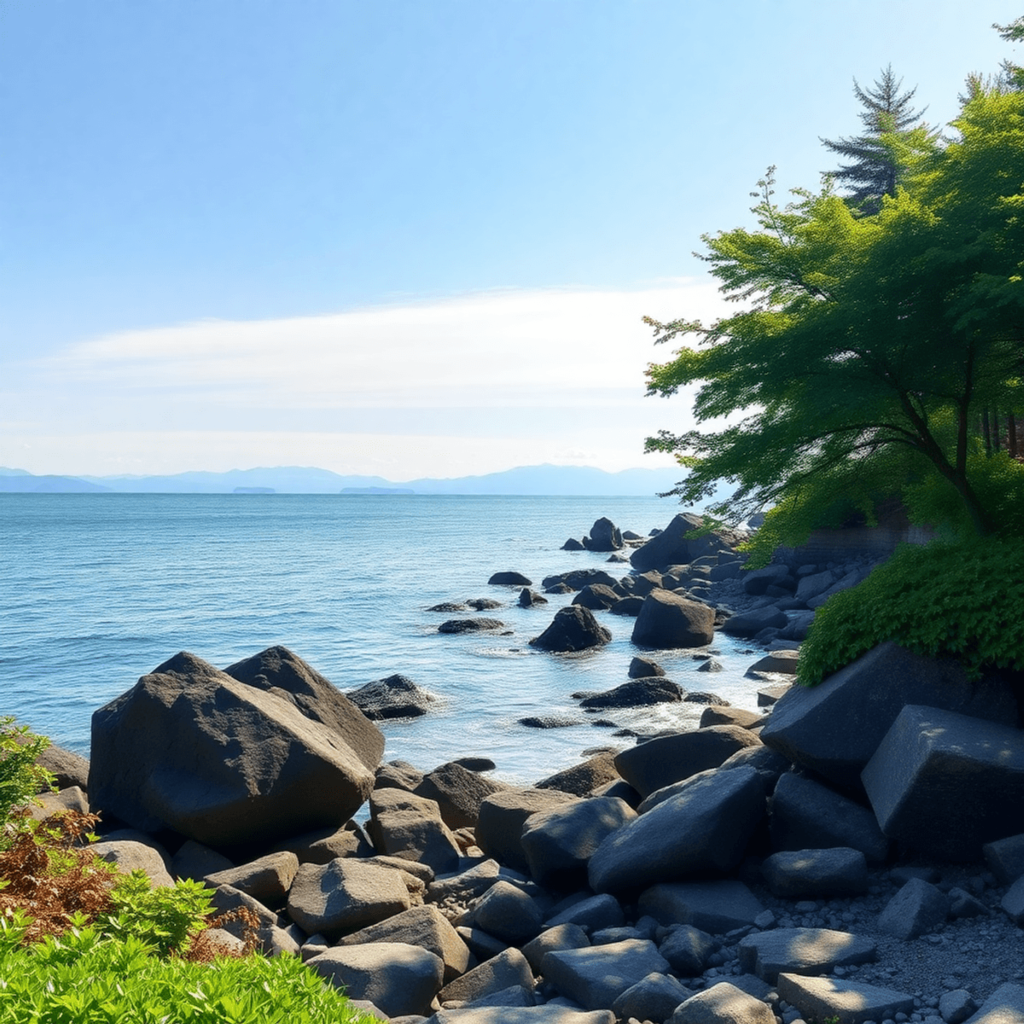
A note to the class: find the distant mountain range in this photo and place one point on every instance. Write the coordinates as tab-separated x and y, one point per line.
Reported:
526	480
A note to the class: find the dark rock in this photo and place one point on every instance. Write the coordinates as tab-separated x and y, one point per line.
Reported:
802	951
510	579
509	968
577	579
637	693
395	696
528	598
704	697
409	826
324	844
592	913
628	606
751	623
469	625
672	546
595	976
548	722
499	830
722	1003
918	907
68	768
558	588
573	629
687	949
851	1002
705	828
158	758
816	874
483	604
668	620
582	779
447	606
398	775
653	998
644	668
458	793
572	544
476	764
1005	858
267	879
507	913
604	536
947	784
715	714
834	728
711	665
757	581
596	597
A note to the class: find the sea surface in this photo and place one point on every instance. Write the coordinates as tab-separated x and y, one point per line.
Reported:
96	590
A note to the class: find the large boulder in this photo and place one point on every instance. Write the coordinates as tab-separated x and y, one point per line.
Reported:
751	623
673	547
458	793
577	579
396	696
278	670
583	778
668	620
660	761
595	976
410	827
717	907
704	828
228	764
637	693
573	629
946	784
834	728
499	830
723	1003
597	597
604	536
510	579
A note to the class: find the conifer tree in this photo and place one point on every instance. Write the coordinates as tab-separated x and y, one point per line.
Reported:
878	158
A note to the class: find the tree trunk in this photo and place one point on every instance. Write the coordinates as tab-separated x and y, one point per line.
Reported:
986	432
1011	435
995	430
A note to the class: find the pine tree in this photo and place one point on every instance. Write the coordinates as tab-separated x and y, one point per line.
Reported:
879	156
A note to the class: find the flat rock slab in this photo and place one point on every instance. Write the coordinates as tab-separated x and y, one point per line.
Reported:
846	1002
522	1015
947	784
1004	1006
715	907
802	951
594	977
398	978
816	874
723	1004
705	828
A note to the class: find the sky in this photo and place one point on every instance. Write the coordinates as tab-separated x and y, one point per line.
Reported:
399	238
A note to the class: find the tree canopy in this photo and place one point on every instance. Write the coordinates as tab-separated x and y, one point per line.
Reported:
867	346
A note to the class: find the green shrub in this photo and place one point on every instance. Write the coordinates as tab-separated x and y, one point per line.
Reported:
83	977
20	777
960	599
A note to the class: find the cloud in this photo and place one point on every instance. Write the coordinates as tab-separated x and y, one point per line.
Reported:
553	371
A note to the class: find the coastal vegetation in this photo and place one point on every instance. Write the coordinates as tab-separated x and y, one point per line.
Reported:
876	363
82	944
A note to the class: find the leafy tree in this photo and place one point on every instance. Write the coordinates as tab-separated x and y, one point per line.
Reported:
880	158
869	345
1013	74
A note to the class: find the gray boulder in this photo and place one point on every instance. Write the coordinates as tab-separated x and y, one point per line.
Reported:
816	874
548	1013
918	907
757	581
158	759
562	936
528	598
594	977
661	761
398	978
947	784
278	670
604	536
499	831
68	768
324	844
128	855
687	949
807	815
267	879
704	828
644	668
584	778
474	625
271	938
597	597
802	951
595	913
668	620
573	629
653	998
716	907
577	579
409	826
559	843
672	546
751	623
510	579
344	895
1005	858
834	728
507	913
637	693
1004	1006
395	696
506	970
458	793
723	1003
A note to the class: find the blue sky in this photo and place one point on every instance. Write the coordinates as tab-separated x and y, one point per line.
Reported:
398	238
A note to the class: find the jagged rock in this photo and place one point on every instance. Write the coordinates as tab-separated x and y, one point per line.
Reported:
158	758
528	598
548	722
577	579
594	977
687	949
716	907
672	546
559	843
510	579
947	784
816	874
562	936
572	544
71	798
582	779
667	620
396	977
637	693
344	895
706	827
324	844
507	969
478	625
846	1002
807	815
597	597
466	886
918	907
834	728
500	826
604	536
425	927
644	668
802	951
653	998
663	760
573	629
267	879
1005	858
722	1004
395	696
409	826
458	793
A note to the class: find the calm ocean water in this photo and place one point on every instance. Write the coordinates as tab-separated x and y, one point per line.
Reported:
97	590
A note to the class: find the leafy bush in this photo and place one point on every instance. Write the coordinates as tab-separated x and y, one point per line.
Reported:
960	599
83	977
20	777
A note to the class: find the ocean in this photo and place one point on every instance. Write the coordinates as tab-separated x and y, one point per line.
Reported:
98	589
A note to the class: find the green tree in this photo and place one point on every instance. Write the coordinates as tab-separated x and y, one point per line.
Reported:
1013	74
880	158
869	345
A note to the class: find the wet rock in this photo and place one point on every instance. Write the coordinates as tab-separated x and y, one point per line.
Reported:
582	779
458	793
528	598
478	625
644	668
573	629
597	597
395	696
483	604
637	693
604	536
667	620
510	579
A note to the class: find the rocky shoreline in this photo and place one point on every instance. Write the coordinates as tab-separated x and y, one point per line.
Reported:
855	852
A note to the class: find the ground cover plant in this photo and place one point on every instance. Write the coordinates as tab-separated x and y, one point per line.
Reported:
82	944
